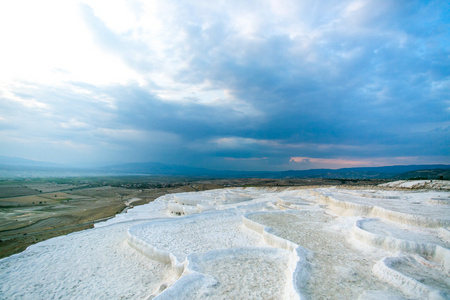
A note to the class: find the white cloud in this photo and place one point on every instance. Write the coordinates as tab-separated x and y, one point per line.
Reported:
75	124
29	103
47	42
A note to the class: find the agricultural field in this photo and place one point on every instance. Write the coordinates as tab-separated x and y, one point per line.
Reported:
14	190
25	187
38	209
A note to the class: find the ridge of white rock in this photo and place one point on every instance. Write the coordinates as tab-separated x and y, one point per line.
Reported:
422	241
298	266
419	184
436	280
185	241
231	273
354	204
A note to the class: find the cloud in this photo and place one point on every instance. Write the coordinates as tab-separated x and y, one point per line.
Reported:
335	83
330	161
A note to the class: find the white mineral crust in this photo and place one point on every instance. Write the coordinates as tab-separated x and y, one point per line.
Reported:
252	243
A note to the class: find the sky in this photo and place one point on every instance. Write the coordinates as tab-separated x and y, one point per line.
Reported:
237	85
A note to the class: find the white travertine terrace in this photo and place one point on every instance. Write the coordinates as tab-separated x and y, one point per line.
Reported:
251	243
419	184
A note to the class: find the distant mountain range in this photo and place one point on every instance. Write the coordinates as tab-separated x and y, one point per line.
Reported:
18	167
397	172
350	173
425	174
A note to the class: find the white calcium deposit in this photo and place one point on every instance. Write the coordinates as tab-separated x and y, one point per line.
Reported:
251	243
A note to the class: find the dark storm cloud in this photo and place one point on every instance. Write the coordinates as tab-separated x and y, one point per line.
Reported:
137	107
366	86
384	90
